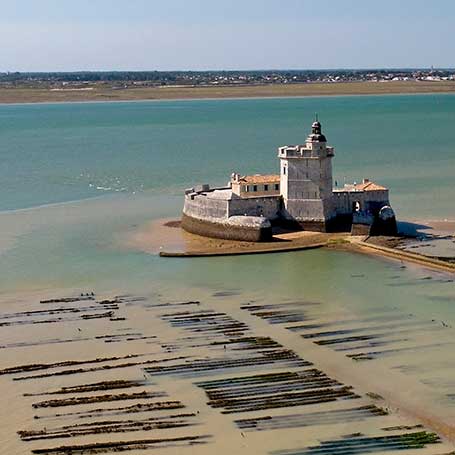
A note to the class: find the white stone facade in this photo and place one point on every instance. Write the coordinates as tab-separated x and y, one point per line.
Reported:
306	179
302	193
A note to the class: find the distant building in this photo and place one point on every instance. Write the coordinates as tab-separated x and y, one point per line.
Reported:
300	197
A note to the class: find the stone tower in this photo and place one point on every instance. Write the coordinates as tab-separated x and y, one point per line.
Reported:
306	181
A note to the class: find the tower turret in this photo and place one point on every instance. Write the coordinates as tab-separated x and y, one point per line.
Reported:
316	132
306	180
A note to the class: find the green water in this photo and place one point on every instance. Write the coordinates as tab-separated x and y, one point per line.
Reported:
77	179
127	163
63	152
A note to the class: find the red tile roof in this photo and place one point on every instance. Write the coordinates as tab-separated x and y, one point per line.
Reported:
253	179
369	186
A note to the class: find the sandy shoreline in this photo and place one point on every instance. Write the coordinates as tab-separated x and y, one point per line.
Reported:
166	238
32	95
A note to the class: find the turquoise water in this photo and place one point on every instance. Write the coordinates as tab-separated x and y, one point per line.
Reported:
63	152
77	179
126	163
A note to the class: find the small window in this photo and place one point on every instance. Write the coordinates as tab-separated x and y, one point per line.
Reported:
266	187
246	188
284	170
255	187
277	186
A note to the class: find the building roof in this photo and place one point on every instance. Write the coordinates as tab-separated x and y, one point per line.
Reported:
366	185
258	178
369	186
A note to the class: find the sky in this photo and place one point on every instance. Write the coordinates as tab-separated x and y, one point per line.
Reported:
64	35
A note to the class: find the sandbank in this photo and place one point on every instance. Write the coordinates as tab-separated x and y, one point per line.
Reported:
42	95
166	238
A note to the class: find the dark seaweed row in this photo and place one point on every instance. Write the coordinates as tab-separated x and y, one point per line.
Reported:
362	445
275	357
109	426
98	368
135	408
315	418
73	401
274	390
283	400
120	446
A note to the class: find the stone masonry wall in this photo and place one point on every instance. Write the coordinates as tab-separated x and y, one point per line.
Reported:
369	201
268	207
226	230
205	208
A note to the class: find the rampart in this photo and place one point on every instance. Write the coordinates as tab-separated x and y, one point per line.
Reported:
220	214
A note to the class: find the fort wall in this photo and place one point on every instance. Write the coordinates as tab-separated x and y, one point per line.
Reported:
241	228
306	199
369	201
267	206
220	215
204	207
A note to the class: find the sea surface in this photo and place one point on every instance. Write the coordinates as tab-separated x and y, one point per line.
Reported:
76	178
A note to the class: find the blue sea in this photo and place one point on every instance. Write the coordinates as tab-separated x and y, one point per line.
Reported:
65	152
77	177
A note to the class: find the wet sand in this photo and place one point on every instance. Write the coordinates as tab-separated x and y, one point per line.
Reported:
166	236
217	373
435	239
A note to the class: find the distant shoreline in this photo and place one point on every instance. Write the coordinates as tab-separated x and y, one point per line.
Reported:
41	95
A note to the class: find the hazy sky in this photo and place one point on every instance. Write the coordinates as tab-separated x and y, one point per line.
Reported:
48	35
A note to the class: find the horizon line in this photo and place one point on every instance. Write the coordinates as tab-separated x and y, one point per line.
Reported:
431	68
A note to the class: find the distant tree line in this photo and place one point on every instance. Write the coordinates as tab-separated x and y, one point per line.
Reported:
173	77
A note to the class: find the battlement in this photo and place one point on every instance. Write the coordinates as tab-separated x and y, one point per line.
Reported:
305	151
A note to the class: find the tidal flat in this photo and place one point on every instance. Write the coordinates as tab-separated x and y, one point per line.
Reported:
90	374
103	92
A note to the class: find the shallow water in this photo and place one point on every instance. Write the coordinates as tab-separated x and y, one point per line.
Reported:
139	156
151	150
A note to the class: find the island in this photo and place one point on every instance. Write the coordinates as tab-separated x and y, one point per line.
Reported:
301	197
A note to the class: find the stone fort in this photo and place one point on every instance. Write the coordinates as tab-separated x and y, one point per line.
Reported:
301	196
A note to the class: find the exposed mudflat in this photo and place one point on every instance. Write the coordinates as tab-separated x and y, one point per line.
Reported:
166	236
434	239
223	373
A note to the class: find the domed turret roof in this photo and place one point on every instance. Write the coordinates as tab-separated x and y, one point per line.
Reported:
316	132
